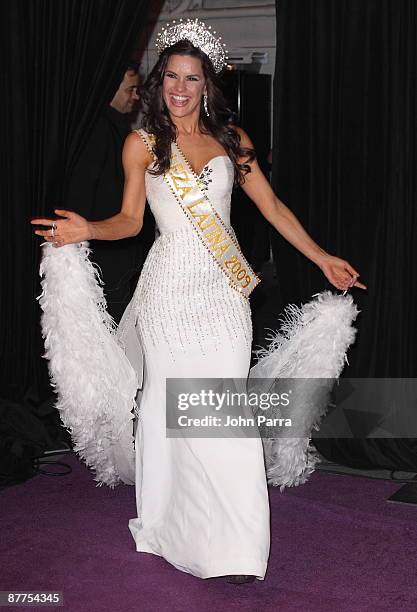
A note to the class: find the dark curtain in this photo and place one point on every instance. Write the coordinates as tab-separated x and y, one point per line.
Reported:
61	64
345	162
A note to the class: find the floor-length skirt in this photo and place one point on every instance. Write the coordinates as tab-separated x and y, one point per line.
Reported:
202	503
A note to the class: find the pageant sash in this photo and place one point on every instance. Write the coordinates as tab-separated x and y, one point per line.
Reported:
209	226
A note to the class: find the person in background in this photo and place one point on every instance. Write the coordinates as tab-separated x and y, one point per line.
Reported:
126	97
95	189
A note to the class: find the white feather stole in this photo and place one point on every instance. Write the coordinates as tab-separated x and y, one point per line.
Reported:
95	382
96	368
311	344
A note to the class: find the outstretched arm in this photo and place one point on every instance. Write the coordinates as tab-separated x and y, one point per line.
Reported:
338	271
71	227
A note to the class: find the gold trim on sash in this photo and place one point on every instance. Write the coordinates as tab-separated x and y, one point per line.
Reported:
211	229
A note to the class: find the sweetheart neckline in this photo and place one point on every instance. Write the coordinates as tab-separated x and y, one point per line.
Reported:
209	162
204	167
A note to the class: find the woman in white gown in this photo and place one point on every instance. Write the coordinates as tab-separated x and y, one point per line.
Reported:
202	503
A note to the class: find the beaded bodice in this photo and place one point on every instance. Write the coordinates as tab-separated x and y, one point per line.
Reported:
182	294
216	181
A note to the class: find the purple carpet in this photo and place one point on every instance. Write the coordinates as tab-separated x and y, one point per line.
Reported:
337	546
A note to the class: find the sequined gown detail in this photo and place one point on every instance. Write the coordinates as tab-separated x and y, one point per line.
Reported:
202	503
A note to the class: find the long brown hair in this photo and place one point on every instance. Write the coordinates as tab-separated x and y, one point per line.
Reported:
156	119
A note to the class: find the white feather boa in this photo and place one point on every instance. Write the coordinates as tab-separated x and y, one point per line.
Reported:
311	344
97	385
94	381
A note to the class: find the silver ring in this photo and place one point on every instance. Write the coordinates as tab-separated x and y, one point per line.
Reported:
53	228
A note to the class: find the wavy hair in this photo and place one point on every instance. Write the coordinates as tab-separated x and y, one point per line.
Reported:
156	119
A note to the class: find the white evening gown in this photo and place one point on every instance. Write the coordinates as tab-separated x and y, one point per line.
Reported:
202	503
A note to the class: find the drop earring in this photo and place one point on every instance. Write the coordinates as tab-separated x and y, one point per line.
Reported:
206	105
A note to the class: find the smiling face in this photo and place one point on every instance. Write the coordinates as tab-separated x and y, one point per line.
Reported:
183	85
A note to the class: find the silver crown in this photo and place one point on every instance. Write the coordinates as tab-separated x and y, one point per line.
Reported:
197	33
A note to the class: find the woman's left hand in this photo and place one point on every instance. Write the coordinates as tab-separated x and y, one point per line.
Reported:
340	273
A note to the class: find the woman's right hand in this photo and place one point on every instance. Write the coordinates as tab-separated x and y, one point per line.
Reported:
72	228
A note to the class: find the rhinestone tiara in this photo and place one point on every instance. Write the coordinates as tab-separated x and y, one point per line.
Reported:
198	34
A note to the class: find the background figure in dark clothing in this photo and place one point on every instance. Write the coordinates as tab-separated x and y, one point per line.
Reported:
95	190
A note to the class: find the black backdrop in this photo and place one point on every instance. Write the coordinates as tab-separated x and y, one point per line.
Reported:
345	162
61	63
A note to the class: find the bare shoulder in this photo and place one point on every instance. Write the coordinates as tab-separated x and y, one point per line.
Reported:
135	151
